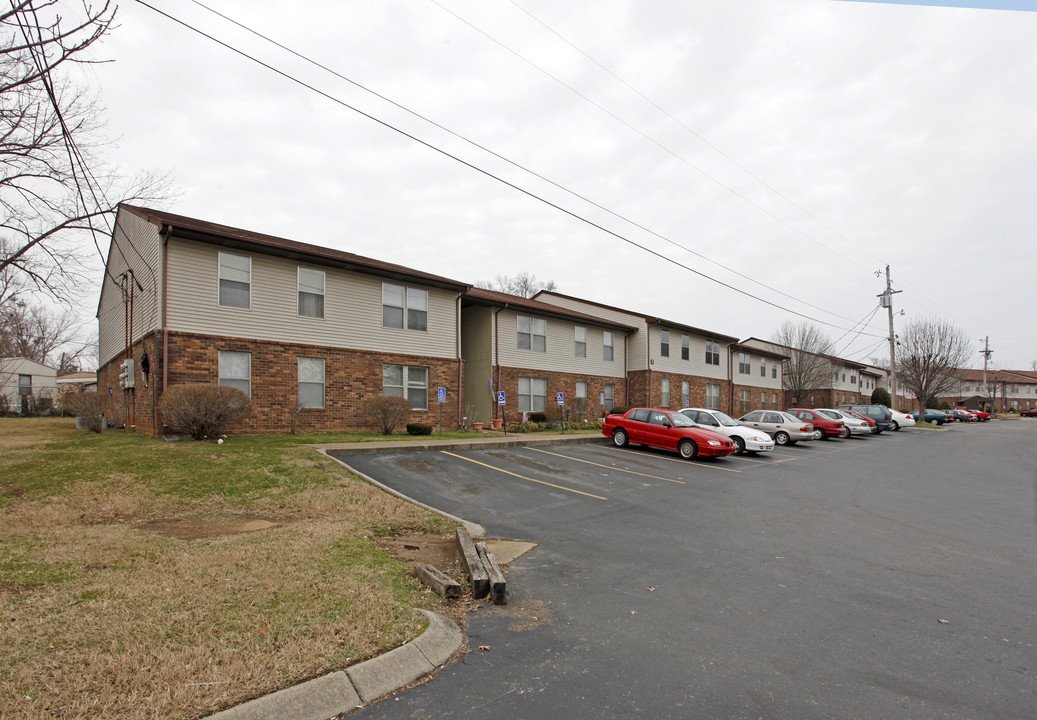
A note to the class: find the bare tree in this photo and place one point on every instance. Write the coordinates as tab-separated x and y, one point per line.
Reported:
524	284
56	197
808	367
31	331
931	352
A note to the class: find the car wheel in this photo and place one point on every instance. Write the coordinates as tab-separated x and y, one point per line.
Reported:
844	433
782	438
619	438
688	449
818	434
896	425
739	445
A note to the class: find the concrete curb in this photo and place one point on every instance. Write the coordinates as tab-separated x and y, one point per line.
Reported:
342	692
497	441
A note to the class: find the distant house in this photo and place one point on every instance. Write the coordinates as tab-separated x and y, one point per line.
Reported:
309	333
82	381
26	386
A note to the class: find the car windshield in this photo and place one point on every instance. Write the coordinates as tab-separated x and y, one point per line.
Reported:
790	418
832	414
680	420
725	420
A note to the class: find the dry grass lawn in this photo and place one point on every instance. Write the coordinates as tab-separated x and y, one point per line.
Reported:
145	579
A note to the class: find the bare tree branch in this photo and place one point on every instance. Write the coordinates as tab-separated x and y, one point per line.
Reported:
524	284
931	352
808	367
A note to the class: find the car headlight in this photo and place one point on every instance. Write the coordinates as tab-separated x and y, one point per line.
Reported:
715	442
757	439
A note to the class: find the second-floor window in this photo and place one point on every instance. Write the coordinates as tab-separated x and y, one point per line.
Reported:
664	343
744	363
404	307
532	333
608	350
235	280
712	354
311	292
581	341
685	347
763	367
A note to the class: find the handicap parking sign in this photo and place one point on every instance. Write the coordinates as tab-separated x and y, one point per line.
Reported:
561	398
441	394
500	397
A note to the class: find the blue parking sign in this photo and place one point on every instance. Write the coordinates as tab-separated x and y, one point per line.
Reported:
561	398
441	394
500	397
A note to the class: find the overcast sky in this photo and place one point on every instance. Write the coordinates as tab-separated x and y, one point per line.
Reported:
790	150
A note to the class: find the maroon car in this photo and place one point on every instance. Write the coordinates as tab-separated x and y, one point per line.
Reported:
824	426
1032	412
981	414
668	430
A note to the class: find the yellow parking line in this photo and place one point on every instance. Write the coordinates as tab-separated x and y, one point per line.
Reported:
508	472
607	467
664	457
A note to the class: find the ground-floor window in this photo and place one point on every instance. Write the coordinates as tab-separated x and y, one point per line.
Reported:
609	395
685	393
666	393
744	402
407	381
311	382
713	396
581	389
532	394
774	401
236	370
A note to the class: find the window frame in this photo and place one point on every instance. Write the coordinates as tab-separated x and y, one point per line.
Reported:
533	323
408	311
231	380
311	383
712	354
579	346
530	397
24	388
407	384
713	399
220	280
664	392
664	343
301	293
608	346
745	363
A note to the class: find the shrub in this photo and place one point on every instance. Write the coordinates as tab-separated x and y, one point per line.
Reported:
537	417
387	412
880	396
527	427
419	429
87	405
203	410
618	410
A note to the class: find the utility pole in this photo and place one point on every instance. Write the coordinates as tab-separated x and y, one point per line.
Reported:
886	301
986	357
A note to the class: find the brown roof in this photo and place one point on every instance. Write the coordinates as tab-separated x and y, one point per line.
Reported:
1012	376
79	376
215	234
482	296
647	318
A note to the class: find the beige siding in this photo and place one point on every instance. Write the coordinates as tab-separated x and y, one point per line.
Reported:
636	343
560	355
352	306
477	351
135	244
695	365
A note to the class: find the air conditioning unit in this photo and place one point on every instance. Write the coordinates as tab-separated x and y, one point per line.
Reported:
126	376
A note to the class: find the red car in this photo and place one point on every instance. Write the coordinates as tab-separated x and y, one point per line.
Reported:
668	430
982	415
1032	412
824	426
871	421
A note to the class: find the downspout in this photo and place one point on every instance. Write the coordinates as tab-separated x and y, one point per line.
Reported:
496	356
460	360
730	379
648	361
626	372
165	295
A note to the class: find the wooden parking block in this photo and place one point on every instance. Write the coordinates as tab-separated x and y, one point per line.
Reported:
473	564
498	585
437	580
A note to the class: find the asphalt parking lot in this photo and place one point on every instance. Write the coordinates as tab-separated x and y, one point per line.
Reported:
889	576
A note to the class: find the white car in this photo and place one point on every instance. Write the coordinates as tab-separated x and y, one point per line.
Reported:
900	419
745	438
854	424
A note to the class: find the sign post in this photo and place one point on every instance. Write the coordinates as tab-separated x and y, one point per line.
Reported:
560	399
504	415
440	399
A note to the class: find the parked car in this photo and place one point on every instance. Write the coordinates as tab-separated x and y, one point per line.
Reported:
982	415
900	419
871	422
931	416
879	413
746	439
1032	412
666	429
784	428
824	426
853	425
962	415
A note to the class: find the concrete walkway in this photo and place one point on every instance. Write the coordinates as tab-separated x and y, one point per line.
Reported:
492	440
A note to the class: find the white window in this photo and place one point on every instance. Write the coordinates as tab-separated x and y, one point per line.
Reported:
581	389
774	370
664	343
532	394
774	401
713	357
666	393
236	370
404	307
406	381
235	280
311	382
686	393
532	333
763	367
744	363
744	402
713	396
853	377
581	341
685	347
311	292
609	394
25	384
608	349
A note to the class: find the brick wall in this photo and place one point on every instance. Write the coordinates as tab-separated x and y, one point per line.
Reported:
646	389
351	377
507	380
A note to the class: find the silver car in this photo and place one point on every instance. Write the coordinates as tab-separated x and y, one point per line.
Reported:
853	425
784	428
747	439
